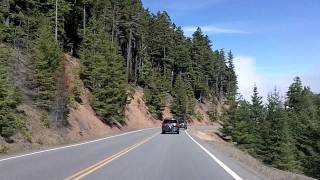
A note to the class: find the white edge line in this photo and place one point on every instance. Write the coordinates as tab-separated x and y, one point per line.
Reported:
225	167
73	145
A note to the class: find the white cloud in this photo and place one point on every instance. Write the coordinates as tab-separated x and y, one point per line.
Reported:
248	75
213	30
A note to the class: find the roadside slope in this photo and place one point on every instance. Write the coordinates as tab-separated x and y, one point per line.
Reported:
137	114
82	121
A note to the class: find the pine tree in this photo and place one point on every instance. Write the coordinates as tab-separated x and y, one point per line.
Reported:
257	117
180	99
9	97
232	78
47	59
183	104
190	99
278	147
201	66
257	106
155	93
180	56
229	119
103	73
243	128
248	118
294	94
304	124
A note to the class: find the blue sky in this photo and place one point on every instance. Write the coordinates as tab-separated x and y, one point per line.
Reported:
272	40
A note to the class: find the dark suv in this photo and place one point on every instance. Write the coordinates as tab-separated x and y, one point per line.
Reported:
183	124
170	125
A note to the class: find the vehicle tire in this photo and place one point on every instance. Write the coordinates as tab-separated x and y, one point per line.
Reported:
177	132
163	132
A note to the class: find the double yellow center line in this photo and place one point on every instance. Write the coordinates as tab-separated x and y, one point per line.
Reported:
106	161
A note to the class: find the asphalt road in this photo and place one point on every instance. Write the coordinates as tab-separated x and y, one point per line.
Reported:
140	155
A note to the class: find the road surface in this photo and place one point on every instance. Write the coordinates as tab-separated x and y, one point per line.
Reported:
138	155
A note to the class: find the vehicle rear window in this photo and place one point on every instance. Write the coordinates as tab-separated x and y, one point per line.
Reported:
169	121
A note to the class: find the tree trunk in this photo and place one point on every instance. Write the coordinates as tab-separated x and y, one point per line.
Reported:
7	21
56	19
141	58
221	86
129	55
5	4
217	86
136	64
84	21
113	24
172	78
141	67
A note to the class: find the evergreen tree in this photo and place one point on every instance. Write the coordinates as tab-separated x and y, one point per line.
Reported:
201	54
243	128
257	106
183	104
9	97
279	147
295	94
103	73
232	78
47	58
257	117
180	54
229	118
248	118
304	125
155	93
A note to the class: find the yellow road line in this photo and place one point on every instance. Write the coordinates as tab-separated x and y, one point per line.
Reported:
106	161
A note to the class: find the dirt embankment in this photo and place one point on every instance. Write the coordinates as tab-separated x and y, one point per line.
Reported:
83	123
82	119
199	118
201	115
137	114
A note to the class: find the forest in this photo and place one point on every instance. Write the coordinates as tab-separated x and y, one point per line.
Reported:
121	44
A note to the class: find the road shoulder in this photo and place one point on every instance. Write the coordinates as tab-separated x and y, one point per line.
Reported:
241	162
